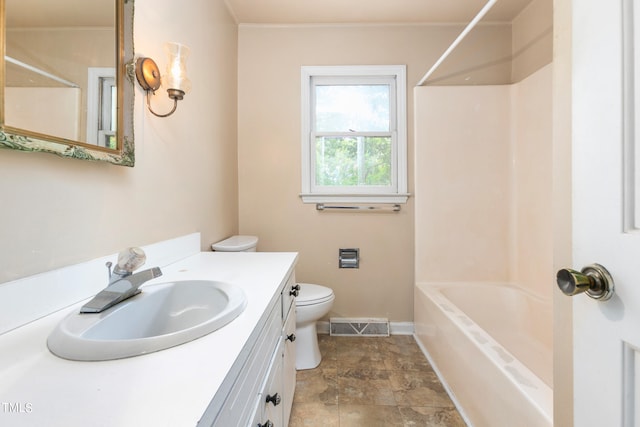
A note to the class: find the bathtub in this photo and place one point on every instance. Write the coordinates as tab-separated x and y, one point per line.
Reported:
491	345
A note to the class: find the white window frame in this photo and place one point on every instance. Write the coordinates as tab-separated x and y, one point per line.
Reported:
100	106
364	74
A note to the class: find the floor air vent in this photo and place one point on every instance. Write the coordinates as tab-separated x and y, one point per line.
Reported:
339	326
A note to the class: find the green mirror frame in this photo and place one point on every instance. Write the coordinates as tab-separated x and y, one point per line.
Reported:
124	155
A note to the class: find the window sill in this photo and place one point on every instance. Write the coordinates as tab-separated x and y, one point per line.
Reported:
354	198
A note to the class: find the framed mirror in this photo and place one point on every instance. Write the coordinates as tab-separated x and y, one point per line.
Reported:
66	78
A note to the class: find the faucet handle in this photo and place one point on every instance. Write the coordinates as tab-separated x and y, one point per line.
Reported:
108	264
129	260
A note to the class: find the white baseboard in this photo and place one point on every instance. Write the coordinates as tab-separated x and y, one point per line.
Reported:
401	328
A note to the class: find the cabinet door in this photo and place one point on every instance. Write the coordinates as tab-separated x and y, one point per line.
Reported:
289	363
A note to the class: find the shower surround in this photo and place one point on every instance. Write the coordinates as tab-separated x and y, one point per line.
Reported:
483	215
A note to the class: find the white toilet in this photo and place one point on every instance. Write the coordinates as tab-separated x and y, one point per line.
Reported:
312	303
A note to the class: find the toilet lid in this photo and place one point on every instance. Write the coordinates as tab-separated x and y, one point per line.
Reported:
235	244
313	294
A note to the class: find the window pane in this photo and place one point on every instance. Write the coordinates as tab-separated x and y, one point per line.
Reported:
353	161
349	108
377	161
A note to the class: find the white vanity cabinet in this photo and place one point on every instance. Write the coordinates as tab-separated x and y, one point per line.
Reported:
261	392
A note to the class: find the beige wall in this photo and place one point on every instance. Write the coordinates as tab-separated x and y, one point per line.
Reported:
57	212
269	151
532	39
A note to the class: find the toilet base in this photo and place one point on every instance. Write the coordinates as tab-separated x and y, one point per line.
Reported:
307	351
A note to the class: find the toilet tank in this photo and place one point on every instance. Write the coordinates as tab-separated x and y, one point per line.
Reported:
236	244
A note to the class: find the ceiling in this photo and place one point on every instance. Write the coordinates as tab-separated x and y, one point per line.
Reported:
370	11
101	13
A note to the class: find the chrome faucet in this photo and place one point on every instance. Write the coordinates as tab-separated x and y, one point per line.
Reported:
123	284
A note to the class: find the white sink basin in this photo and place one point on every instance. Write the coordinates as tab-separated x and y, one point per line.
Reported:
164	315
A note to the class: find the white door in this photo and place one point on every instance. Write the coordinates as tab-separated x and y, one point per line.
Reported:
606	210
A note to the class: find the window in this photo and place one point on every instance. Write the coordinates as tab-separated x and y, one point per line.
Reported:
101	107
354	139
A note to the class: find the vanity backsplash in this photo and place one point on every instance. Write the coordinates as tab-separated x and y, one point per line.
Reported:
25	300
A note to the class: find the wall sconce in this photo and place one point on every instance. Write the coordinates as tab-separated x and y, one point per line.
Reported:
175	79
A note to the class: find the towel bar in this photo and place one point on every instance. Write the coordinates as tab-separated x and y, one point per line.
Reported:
392	208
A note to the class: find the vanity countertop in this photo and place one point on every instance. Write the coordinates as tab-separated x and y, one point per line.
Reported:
172	387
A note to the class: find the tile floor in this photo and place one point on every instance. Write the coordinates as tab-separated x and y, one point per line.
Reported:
371	381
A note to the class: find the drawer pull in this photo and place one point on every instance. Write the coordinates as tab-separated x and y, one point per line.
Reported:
291	337
275	399
267	424
295	290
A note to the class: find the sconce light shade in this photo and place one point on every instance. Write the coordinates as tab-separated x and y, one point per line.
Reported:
175	80
176	75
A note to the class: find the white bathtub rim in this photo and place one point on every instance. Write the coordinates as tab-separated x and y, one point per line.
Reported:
539	394
509	285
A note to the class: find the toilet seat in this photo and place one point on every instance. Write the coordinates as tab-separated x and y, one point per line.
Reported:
313	294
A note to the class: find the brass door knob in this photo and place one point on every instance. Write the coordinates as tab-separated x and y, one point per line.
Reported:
594	280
